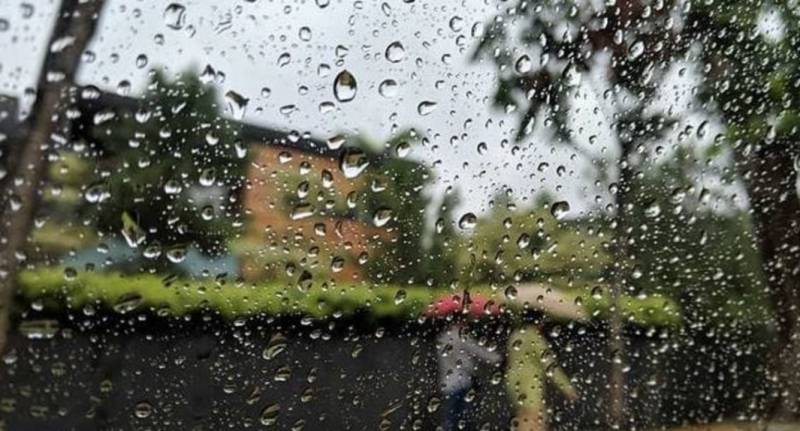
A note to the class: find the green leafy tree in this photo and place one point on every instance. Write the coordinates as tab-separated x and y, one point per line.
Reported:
441	258
511	245
543	51
167	171
750	82
395	196
705	259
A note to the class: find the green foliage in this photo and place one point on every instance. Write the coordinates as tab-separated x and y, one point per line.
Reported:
510	245
405	180
748	77
62	232
175	297
178	297
646	310
396	185
674	245
680	248
171	165
440	262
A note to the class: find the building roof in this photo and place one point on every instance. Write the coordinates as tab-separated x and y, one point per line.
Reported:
91	99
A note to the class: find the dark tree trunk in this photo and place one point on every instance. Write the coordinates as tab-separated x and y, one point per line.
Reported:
616	395
770	178
75	25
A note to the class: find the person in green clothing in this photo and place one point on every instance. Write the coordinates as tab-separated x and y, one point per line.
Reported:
530	365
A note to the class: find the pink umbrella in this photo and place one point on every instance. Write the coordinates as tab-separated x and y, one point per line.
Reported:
477	305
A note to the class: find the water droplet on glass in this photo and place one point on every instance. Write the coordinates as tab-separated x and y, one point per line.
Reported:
395	52
352	162
433	404
510	293
133	234
240	148
275	346
207	213
237	104
402	149
207	177
39	329
282	374
400	296
344	86
388	88
124	87
175	16
637	49
287	109
284	59
652	210
172	187
560	209
127	303
426	107
305	281
572	76
336	142
70	273
208	74
337	264
96	193
152	251
702	129
381	216
302	211
304	34
143	410
456	23
523	64
176	254
468	221
269	416
327	106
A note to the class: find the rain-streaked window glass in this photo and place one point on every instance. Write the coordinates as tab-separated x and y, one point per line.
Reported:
400	215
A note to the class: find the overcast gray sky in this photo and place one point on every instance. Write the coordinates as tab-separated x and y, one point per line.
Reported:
248	43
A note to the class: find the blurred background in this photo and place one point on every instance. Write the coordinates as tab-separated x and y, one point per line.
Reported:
305	214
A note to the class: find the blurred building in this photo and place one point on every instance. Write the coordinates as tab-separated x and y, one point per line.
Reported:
282	167
279	163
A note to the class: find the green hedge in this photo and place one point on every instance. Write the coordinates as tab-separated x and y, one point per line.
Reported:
126	293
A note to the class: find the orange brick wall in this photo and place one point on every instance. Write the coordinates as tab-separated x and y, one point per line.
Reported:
268	222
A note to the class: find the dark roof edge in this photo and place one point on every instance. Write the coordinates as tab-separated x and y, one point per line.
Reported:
249	132
270	136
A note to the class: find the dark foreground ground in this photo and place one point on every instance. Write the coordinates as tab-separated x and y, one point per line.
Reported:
139	373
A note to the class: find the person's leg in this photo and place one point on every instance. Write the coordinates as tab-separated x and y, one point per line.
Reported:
525	380
530	419
456	404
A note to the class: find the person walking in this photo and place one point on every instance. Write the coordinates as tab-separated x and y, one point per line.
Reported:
458	352
531	361
459	356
